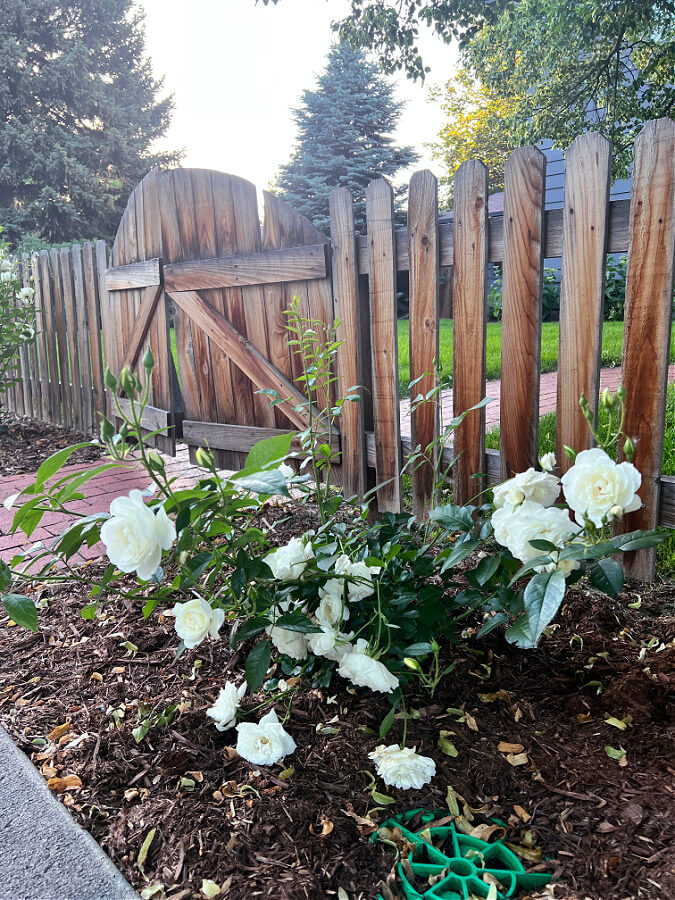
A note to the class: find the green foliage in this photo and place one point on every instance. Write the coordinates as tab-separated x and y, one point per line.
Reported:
345	129
17	321
79	110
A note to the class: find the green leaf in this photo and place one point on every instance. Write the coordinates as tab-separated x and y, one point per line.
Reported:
458	518
446	745
387	722
295	621
486	568
89	611
21	609
607	576
5	577
459	554
55	462
270	450
419	649
546	546
542	599
257	664
270	482
492	623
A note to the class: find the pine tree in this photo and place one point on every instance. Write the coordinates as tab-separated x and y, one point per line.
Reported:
78	112
344	137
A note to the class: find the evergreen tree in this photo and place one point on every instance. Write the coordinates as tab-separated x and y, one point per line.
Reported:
344	137
78	112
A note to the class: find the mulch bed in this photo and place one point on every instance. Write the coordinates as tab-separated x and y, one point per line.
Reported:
606	830
26	443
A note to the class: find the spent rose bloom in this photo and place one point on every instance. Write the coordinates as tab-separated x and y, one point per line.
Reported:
134	535
330	642
514	528
596	484
224	710
402	767
539	487
195	619
290	561
265	743
364	671
292	643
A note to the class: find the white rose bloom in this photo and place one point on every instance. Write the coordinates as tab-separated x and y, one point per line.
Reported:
358	590
289	562
330	643
224	710
539	487
402	767
364	671
8	502
286	470
134	536
515	528
265	743
332	607
595	484
548	462
6	276
292	643
195	619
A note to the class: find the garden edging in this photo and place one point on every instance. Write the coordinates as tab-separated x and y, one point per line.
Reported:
43	852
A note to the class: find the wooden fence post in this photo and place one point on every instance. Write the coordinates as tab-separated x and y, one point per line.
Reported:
49	332
582	284
525	182
349	362
470	325
424	274
649	297
73	325
384	337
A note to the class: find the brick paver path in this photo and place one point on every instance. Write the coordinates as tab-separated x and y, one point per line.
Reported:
100	491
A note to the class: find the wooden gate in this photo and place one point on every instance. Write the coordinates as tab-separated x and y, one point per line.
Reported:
193	237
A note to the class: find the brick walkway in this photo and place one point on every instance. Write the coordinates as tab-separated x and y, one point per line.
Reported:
100	491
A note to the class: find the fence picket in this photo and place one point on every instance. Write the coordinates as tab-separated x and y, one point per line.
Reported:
72	327
587	171
384	346
59	324
86	377
470	324
423	253
649	292
525	181
50	338
349	360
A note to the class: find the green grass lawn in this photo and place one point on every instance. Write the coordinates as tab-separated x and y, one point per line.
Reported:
612	339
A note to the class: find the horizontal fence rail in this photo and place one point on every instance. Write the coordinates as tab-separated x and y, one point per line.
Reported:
230	282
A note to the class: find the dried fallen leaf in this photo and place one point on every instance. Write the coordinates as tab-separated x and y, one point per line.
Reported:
48	771
326	827
506	747
522	814
96	676
531	854
496	695
621	724
342	894
56	733
145	847
618	754
446	745
67	783
488	832
230	753
210	888
517	759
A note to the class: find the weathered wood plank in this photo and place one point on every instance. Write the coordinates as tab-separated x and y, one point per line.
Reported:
241	351
108	319
27	352
239	438
134	275
141	326
59	326
587	171
42	300
349	359
152	418
87	410
72	328
384	343
93	314
525	182
423	254
470	300
649	293
263	267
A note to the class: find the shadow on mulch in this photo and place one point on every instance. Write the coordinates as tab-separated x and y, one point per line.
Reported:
26	443
606	830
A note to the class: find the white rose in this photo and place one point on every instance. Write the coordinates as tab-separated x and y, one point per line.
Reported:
26	294
595	484
8	502
329	643
357	590
6	276
548	462
195	619
364	671
402	767
515	528
286	470
134	536
292	643
224	710
530	485
289	562
265	743
332	607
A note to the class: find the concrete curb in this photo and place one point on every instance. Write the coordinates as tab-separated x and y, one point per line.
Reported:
44	854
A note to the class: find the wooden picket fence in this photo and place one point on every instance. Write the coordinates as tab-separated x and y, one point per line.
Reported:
229	295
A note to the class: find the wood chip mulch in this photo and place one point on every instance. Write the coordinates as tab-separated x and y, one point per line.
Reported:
26	443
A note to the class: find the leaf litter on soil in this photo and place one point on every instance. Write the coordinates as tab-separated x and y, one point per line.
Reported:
301	829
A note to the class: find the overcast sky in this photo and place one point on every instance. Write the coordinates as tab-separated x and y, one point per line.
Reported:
237	69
